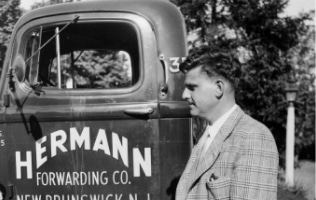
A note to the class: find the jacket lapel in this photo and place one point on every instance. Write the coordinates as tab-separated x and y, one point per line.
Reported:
188	175
209	157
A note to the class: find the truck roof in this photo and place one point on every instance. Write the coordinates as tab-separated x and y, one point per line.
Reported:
156	11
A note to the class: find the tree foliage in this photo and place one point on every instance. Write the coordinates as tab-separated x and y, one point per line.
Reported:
265	43
48	2
9	14
94	69
303	59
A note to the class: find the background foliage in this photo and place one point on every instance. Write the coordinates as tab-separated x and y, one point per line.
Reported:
269	47
9	14
94	69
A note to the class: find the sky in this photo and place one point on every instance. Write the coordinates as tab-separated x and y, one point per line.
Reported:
293	9
297	6
26	4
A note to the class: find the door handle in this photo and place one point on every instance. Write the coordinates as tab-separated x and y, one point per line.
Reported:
139	111
164	88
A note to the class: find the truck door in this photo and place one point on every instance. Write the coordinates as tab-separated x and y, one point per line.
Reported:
83	118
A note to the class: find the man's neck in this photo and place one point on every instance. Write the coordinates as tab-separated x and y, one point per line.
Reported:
219	112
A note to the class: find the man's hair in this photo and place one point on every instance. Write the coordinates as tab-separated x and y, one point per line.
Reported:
214	65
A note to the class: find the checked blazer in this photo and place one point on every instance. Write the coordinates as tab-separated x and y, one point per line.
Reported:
240	164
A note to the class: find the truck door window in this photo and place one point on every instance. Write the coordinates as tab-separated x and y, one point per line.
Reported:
101	55
93	68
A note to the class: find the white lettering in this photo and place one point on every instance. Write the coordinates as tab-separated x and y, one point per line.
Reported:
27	164
174	67
52	178
118	197
28	196
139	161
84	179
74	178
38	178
36	197
68	179
84	138
120	148
131	197
58	143
39	152
101	142
82	197
108	196
94	197
120	177
114	177
124	177
60	178
104	178
44	179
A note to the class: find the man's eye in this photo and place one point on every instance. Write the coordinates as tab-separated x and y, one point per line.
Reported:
191	88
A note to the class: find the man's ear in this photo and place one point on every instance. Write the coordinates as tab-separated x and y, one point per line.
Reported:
220	87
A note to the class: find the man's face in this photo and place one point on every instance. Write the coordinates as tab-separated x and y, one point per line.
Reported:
200	93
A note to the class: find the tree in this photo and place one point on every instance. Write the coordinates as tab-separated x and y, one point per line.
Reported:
254	33
94	69
9	14
303	59
49	2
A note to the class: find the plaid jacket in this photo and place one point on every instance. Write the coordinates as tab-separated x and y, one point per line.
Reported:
241	163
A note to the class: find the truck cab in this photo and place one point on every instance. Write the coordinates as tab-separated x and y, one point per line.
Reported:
90	103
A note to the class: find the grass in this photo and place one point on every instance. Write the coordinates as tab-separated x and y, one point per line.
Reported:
304	183
291	193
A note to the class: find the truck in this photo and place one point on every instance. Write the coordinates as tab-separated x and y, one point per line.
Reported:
90	103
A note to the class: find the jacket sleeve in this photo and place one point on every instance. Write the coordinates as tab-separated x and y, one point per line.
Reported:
254	176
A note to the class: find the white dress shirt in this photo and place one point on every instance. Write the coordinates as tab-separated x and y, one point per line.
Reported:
212	130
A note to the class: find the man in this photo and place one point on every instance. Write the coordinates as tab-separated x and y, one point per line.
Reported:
236	157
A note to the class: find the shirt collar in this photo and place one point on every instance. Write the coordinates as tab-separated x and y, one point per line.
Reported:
214	128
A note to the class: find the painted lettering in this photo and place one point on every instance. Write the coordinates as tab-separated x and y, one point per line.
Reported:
128	196
84	138
72	178
175	63
120	148
61	142
101	142
29	197
27	164
2	142
39	152
120	178
58	139
142	162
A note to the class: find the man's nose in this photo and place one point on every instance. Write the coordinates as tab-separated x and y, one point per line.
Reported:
185	94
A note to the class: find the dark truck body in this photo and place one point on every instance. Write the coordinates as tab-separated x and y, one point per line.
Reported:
91	105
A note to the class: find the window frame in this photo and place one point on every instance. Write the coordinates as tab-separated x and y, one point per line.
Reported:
134	20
